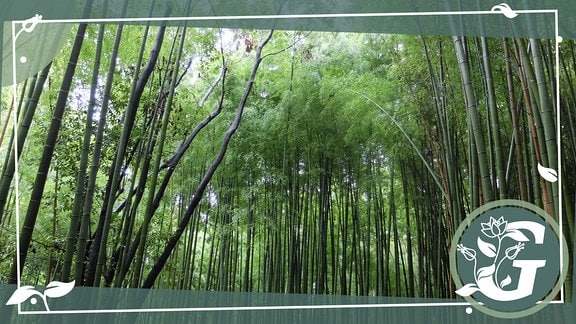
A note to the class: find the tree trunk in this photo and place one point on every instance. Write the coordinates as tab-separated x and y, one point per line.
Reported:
36	88
157	268
472	110
47	153
80	192
129	119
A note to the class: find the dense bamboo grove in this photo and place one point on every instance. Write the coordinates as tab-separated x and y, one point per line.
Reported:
297	162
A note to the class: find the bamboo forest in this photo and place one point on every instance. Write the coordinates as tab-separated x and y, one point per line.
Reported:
298	162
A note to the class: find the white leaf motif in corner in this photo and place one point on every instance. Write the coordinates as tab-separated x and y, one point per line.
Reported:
21	294
54	289
505	9
57	289
548	174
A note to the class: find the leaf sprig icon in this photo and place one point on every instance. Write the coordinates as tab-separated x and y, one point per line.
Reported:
54	289
505	10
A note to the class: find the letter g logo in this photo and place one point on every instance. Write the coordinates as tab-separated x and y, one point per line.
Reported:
506	259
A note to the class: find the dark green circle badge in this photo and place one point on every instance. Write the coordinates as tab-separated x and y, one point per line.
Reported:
508	259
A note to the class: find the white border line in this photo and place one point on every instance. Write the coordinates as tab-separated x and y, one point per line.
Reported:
559	148
16	177
294	16
268	17
253	308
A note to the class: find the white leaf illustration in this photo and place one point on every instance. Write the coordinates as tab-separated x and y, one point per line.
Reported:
506	281
488	249
485	272
516	235
467	290
21	294
505	10
58	289
548	174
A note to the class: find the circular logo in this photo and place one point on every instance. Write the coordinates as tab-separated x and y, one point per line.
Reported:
508	259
